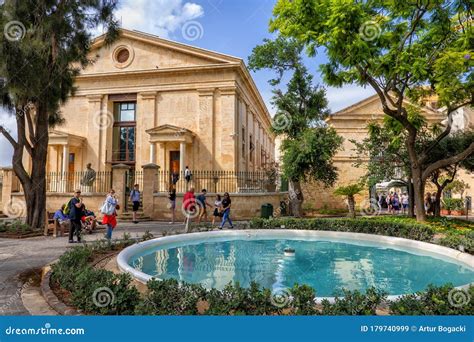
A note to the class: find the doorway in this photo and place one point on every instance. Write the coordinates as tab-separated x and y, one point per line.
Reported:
174	161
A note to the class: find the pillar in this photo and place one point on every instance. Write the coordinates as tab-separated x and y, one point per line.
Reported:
206	130
150	179
119	183
64	168
152	153
182	151
7	186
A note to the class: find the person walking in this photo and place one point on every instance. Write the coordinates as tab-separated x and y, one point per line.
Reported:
405	202
172	202
189	208
76	211
109	210
217	208
202	205
226	205
396	203
135	199
187	174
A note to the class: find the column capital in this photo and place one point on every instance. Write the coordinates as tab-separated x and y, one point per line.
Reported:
94	98
148	95
206	91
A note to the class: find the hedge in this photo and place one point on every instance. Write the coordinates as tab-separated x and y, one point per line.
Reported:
373	225
102	292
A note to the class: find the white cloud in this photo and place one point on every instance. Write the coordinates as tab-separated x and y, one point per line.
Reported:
6	150
161	17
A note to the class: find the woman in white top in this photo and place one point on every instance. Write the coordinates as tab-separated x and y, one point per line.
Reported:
217	208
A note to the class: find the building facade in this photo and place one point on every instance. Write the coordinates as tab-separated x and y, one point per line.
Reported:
150	100
351	124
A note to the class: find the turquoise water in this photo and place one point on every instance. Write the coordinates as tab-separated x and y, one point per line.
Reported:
326	266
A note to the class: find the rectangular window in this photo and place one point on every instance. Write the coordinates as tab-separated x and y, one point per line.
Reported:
124	111
123	139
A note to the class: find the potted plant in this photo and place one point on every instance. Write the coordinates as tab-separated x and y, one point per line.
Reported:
458	209
453	206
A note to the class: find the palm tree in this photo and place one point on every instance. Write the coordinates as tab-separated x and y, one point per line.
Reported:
350	191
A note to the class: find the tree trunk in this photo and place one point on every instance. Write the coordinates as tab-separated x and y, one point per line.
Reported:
34	184
351	204
437	203
419	192
296	198
417	177
411	199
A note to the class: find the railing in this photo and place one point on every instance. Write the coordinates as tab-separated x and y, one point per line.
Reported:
69	181
218	181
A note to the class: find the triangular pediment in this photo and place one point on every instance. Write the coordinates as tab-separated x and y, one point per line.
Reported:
169	129
166	133
370	108
150	52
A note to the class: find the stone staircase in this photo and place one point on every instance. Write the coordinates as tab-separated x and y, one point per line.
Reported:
126	216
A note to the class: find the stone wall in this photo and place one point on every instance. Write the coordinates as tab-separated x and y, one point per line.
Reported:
54	201
244	206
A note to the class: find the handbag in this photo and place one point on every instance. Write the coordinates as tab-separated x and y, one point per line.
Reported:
107	208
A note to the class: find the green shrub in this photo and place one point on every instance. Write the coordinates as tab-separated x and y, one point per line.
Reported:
302	302
436	300
14	226
374	225
103	292
354	303
455	241
69	266
453	204
236	300
169	297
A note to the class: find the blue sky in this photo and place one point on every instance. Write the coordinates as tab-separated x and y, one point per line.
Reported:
232	27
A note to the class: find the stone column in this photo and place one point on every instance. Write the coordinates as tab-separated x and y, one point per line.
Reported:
7	186
152	153
150	179
146	119
99	121
64	168
119	172
182	152
206	125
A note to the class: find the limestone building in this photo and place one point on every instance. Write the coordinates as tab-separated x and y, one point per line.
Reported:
150	100
351	123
